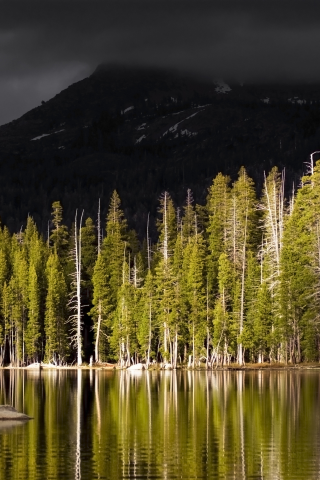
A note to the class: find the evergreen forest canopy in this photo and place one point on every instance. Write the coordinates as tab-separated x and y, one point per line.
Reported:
234	280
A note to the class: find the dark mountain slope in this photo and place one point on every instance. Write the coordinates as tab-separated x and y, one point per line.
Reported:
142	131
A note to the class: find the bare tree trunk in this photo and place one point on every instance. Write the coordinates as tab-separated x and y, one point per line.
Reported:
99	230
240	346
193	345
208	338
149	339
165	257
176	349
96	347
78	271
75	300
128	352
148	245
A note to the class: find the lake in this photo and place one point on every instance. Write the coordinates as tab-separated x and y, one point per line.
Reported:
162	425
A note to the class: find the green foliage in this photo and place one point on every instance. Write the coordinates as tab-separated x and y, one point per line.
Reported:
88	254
102	305
114	245
59	234
242	283
33	327
56	315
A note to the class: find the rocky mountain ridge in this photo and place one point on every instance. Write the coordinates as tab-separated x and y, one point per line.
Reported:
142	131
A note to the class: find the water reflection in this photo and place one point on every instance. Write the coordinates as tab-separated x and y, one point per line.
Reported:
109	425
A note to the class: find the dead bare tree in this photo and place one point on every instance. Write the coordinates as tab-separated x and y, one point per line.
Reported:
75	298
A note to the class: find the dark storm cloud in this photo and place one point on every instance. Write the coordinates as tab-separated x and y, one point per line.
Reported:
45	46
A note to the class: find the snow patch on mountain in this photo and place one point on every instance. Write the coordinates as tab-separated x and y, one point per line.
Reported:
221	86
297	100
188	133
127	110
40	136
142	126
265	100
140	139
175	126
46	135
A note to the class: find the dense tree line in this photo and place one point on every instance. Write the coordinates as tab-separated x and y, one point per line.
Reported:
234	280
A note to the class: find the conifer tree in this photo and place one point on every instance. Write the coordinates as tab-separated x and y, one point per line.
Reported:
89	255
33	327
56	315
59	233
146	327
165	275
188	218
113	245
298	292
273	210
19	288
221	314
75	304
218	207
38	253
102	305
123	339
241	237
197	296
8	329
4	277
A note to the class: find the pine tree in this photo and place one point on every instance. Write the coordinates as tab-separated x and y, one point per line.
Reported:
197	297
165	275
89	256
113	245
188	218
56	315
241	237
102	305
221	313
33	327
218	208
297	293
75	304
59	234
273	210
19	288
123	339
4	277
37	252
256	332
146	327
9	330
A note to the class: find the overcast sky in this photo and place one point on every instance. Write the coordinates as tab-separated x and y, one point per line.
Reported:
46	45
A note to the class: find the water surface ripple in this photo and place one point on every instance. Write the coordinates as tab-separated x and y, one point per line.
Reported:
162	425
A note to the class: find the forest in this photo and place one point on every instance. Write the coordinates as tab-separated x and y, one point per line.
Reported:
236	280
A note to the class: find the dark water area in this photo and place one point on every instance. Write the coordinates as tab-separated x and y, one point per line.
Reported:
162	425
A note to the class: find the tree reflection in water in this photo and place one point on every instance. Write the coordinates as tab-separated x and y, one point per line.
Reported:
185	424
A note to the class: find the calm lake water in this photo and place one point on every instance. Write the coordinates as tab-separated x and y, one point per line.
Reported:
162	425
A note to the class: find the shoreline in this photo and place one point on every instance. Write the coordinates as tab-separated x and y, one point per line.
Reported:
115	367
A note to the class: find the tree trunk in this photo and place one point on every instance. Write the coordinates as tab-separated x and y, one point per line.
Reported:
96	348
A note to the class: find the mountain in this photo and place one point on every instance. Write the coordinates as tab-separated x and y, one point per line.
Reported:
142	131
